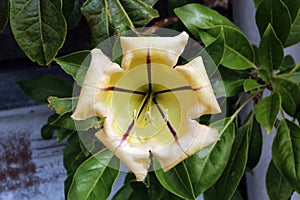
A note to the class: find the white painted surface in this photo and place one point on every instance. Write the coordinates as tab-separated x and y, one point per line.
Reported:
30	167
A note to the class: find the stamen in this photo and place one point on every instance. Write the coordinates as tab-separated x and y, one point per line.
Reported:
170	127
147	114
152	120
166	118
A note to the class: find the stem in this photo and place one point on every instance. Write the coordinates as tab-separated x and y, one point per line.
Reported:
239	110
161	23
293	70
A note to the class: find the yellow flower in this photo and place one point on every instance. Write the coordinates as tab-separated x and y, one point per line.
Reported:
149	105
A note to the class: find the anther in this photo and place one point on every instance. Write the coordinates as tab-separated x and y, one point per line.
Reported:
166	115
152	120
134	113
147	114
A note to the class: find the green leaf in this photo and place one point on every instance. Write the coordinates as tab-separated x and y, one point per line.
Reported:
177	180
4	12
277	187
257	2
106	18
65	121
226	185
288	63
67	184
276	13
209	26
255	144
39	28
62	105
231	83
63	134
266	111
150	189
72	12
73	155
237	196
286	152
289	92
270	50
41	87
48	130
250	84
293	7
75	64
216	49
205	170
93	180
264	74
293	37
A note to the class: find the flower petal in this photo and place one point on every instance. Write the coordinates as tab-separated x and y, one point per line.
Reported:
195	73
102	73
134	156
192	137
163	50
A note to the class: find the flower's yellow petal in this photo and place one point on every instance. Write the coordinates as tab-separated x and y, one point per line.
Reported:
195	73
162	50
134	156
192	137
93	99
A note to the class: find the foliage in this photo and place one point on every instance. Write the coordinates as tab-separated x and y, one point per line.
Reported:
269	80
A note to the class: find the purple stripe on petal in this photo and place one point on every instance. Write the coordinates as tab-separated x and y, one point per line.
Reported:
148	61
126	134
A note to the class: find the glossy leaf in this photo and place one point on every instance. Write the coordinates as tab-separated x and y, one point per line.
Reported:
270	50
208	25
150	189
4	12
288	63
286	152
257	2
62	105
289	92
237	196
176	180
293	7
48	130
65	121
264	74
106	18
39	28
216	49
93	180
231	83
266	111
41	87
67	184
204	169
277	187
255	144
226	185
276	13
73	155
293	37
75	64
72	12
250	84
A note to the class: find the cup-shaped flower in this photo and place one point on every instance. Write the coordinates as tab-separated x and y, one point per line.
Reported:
149	105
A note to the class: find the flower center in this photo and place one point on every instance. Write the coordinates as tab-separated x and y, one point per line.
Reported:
147	112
